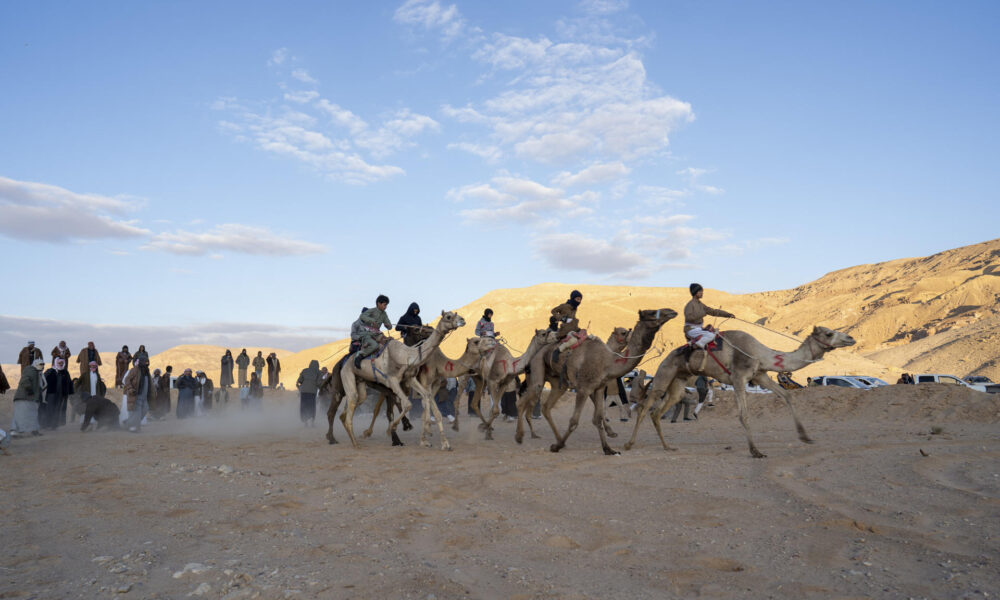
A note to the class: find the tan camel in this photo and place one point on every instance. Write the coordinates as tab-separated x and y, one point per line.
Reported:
499	370
616	342
741	360
334	386
587	369
433	374
396	362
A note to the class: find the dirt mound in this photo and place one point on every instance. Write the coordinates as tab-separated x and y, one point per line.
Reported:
927	402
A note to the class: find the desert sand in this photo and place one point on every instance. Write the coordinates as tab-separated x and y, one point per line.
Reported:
898	498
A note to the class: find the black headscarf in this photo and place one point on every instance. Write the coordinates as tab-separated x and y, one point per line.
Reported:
695	288
488	314
573	298
408	321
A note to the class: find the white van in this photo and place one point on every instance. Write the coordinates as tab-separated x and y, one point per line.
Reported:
946	379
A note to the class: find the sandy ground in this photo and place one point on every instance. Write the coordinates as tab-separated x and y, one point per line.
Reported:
255	506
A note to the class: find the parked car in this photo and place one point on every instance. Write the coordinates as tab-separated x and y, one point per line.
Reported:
872	381
751	388
983	380
946	379
847	381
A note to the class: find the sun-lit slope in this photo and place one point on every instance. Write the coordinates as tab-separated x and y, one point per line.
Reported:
934	313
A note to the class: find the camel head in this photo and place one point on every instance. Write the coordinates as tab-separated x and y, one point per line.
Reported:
480	345
639	388
620	335
450	321
546	336
657	317
830	338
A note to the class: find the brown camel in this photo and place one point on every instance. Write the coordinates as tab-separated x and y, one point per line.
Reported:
587	369
616	342
395	363
334	386
499	369
434	373
741	360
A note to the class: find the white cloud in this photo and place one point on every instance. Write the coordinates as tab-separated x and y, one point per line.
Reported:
491	154
49	213
301	97
512	199
233	237
653	194
580	253
303	76
278	57
430	14
594	174
603	7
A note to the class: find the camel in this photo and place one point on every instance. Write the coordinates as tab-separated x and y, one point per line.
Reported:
616	342
438	368
397	362
587	369
741	360
335	387
499	369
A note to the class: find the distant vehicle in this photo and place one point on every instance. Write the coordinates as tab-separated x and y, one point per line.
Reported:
847	381
947	379
872	381
993	388
751	388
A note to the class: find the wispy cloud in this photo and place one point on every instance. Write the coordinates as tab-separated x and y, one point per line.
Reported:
49	213
232	237
595	174
303	76
431	15
507	199
590	255
278	57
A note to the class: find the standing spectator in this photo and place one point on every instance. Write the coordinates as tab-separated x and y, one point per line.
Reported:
258	365
409	325
29	354
273	370
123	360
161	408
88	355
508	401
88	385
26	400
58	387
203	396
226	377
484	328
707	399
308	383
186	387
687	400
470	390
256	392
140	353
61	351
138	385
324	397
242	362
4	384
445	399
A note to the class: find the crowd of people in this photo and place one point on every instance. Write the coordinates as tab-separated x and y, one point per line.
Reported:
44	397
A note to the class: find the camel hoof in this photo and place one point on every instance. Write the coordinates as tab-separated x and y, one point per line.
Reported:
610	452
519	438
628	445
535	436
489	434
406	424
331	441
611	434
555	448
366	434
670	449
446	446
398	443
425	444
482	427
757	453
454	427
806	439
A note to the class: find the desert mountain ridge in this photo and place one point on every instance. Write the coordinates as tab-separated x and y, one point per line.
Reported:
939	313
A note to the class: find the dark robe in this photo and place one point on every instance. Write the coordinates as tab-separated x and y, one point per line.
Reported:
226	377
205	391
104	411
186	388
409	325
52	412
273	371
162	397
4	384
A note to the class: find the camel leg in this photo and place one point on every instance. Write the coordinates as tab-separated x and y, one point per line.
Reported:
556	390
643	409
574	421
367	433
351	392
528	419
331	414
598	421
404	405
391	402
674	393
430	404
740	391
495	396
477	402
767	383
524	405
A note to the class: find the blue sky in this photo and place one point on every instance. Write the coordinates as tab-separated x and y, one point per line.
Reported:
249	172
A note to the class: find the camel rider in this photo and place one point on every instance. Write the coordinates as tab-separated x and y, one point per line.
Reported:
371	321
694	316
563	320
484	328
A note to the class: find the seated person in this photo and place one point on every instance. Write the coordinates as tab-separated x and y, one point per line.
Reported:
371	322
694	317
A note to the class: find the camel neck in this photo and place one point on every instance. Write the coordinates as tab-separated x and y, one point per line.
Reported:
638	343
807	353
